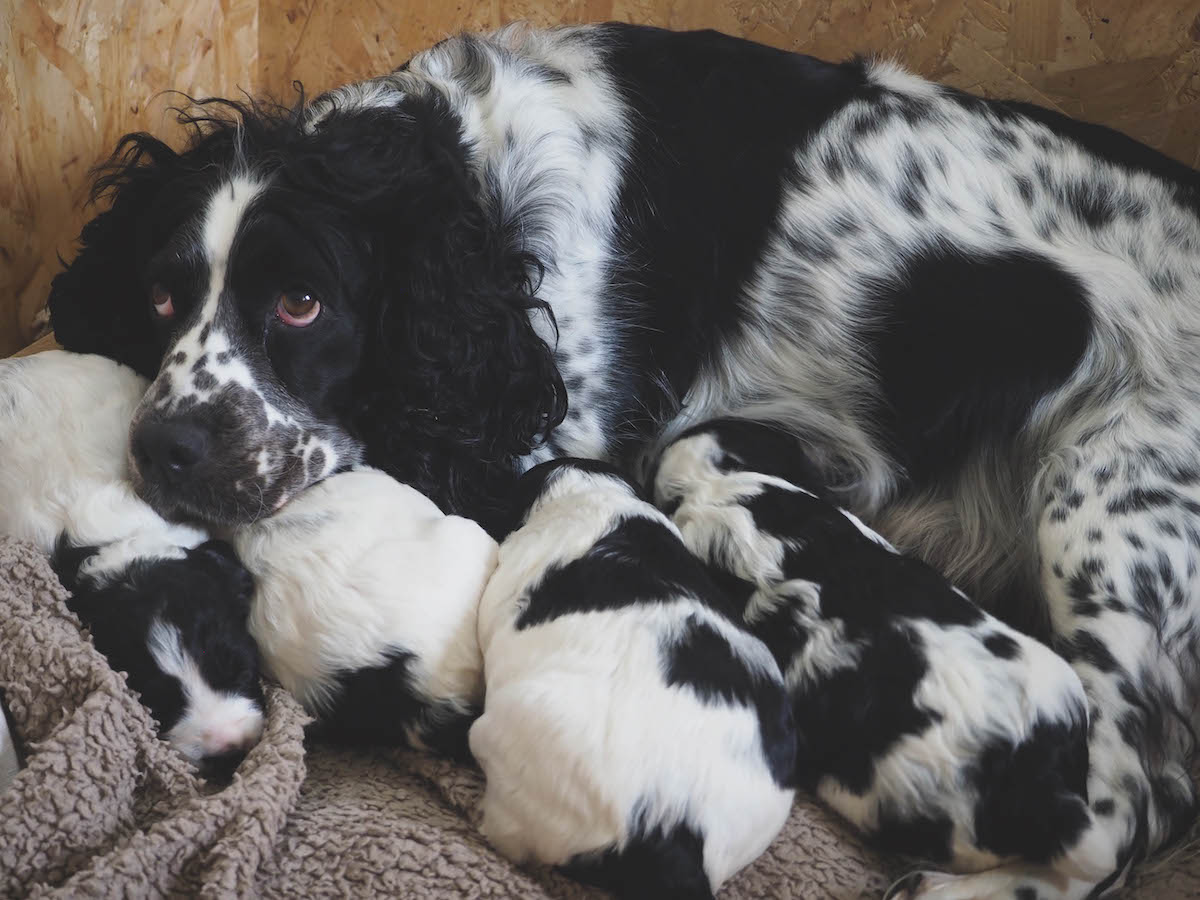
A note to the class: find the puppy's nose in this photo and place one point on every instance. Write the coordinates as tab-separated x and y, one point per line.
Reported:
170	449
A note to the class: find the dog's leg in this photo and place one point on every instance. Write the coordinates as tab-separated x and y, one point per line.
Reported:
1119	537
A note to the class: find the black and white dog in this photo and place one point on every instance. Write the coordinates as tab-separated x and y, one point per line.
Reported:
980	316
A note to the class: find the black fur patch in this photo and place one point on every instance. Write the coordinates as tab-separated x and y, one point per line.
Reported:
378	706
654	864
704	661
640	561
1002	645
1032	795
923	837
946	370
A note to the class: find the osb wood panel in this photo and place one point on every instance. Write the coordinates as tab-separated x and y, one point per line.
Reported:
1132	64
76	75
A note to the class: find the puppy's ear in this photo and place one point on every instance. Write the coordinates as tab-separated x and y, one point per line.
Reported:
456	384
98	304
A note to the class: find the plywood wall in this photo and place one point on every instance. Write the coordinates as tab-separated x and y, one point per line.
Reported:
75	75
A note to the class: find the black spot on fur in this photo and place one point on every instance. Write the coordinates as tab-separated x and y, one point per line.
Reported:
857	714
1106	806
704	661
949	381
1025	189
551	74
1086	647
1032	795
924	837
1140	499
638	562
653	864
204	380
1095	535
1002	645
354	717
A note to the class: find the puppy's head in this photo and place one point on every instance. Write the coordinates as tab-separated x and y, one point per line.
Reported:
177	628
558	478
304	289
702	458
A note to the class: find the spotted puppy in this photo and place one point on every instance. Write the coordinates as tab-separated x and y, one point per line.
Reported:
932	726
631	731
162	605
366	610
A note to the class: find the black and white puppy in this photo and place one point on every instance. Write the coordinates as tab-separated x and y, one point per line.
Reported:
631	732
161	604
932	726
177	628
366	609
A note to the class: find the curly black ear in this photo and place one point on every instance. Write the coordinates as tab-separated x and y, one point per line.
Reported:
456	384
98	303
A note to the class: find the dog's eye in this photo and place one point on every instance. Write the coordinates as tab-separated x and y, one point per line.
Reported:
164	307
298	307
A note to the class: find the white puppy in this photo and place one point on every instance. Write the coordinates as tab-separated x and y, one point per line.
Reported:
365	609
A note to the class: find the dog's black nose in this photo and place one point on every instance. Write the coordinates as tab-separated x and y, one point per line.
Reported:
170	449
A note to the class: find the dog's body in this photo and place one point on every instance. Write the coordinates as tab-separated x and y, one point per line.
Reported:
630	731
365	609
933	727
980	316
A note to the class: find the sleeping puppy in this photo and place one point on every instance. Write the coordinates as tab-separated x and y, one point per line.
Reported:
177	627
933	727
161	604
365	610
631	732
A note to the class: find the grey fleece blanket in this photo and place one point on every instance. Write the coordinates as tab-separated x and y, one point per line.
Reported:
103	808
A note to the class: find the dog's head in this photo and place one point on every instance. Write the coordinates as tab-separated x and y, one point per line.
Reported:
309	294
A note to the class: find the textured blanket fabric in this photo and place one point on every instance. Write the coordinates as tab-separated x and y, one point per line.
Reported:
103	808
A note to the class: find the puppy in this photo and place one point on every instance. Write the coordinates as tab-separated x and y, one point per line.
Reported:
631	733
162	606
365	610
177	627
933	727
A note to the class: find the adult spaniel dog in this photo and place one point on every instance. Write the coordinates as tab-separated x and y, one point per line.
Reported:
982	318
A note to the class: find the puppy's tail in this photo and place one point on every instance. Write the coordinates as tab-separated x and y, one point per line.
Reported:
651	866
